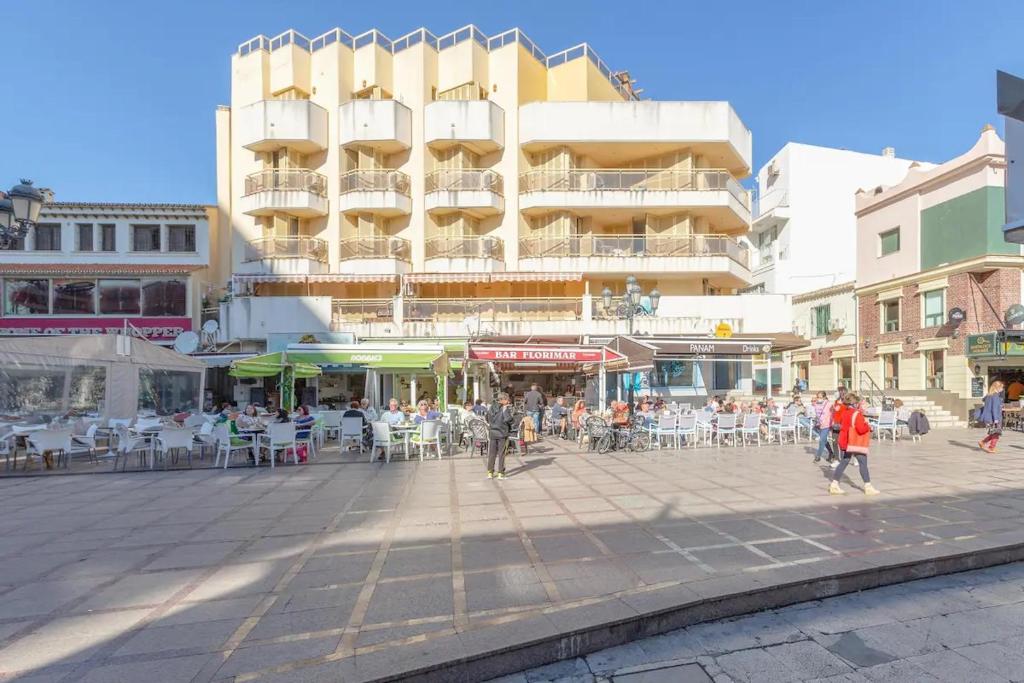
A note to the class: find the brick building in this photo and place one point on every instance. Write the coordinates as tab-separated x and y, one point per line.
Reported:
930	249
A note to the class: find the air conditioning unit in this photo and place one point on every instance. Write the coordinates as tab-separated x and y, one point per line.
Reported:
396	246
486	247
798	329
773	170
837	324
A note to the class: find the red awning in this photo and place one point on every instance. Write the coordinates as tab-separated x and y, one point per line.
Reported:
536	353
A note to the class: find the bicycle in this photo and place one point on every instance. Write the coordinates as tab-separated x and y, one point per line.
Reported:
633	437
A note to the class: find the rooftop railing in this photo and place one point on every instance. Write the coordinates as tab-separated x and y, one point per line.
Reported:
299	179
375	247
633	180
470	179
473	246
310	248
493	310
367	180
636	245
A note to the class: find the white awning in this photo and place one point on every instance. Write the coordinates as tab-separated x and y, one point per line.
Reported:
317	278
420	278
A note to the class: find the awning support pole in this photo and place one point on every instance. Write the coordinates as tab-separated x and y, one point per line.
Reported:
768	381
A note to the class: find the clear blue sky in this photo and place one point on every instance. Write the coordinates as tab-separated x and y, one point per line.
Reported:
114	101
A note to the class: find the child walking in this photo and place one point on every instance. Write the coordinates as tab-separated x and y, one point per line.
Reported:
992	416
854	440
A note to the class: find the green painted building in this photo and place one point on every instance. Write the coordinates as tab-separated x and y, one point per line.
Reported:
964	227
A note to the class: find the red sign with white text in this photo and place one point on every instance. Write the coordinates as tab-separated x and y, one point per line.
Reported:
542	354
154	329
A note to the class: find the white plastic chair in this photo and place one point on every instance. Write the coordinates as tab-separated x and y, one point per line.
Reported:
726	427
665	426
704	426
886	423
351	430
194	421
221	437
428	435
280	436
7	439
331	420
785	425
687	429
384	439
751	427
87	440
57	441
126	445
806	427
171	440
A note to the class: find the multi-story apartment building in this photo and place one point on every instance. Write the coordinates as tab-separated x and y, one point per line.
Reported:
935	277
804	232
89	267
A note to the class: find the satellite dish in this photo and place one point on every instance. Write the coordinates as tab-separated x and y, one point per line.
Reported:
210	327
1014	315
186	342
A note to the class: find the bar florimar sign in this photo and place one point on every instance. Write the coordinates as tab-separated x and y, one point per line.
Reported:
542	354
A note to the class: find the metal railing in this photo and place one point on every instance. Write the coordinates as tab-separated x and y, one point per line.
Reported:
381	180
632	179
774	199
299	179
375	247
493	310
474	246
871	392
469	179
362	311
286	247
636	245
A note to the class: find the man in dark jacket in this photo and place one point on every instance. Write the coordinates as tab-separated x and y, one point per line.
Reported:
535	403
499	426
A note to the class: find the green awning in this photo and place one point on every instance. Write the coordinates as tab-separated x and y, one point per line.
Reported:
271	364
380	359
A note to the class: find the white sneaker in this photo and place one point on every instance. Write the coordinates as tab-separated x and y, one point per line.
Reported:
835	464
870	490
834	490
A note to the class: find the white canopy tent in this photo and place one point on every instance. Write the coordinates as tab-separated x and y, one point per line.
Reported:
109	375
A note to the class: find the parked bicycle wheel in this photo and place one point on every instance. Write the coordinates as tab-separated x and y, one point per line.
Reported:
640	442
606	443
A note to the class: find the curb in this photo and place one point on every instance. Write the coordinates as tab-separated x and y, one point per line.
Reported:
496	662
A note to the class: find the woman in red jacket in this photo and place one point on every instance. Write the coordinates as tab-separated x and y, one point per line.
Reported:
854	440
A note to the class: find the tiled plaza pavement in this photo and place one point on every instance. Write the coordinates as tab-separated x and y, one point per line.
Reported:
959	628
358	571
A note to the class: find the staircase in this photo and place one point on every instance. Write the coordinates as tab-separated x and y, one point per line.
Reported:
938	417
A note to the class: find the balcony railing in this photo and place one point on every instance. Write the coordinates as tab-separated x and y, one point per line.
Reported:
362	311
286	247
468	179
633	180
493	310
465	247
299	179
380	180
375	247
635	245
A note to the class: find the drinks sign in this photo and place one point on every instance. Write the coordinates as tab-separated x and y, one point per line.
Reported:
154	329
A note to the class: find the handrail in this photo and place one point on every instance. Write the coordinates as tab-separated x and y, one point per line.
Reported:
870	391
472	246
375	247
636	245
471	179
311	248
301	179
379	179
633	179
498	309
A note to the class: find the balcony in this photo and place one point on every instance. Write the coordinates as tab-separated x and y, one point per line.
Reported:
380	191
463	254
390	255
611	131
298	192
476	124
285	255
365	313
272	124
477	191
637	253
385	125
714	192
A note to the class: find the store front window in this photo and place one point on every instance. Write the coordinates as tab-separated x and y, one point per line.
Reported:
167	392
934	365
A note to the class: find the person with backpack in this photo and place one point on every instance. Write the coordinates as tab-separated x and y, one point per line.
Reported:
854	442
499	426
991	416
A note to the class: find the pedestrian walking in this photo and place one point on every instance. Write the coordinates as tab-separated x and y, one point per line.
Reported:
499	426
534	403
854	442
822	408
992	417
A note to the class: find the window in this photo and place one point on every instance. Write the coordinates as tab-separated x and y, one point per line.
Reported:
119	297
934	362
108	237
934	308
17	244
145	238
47	237
26	297
84	231
74	297
677	373
163	297
891	315
889	242
891	371
168	391
844	372
181	238
820	319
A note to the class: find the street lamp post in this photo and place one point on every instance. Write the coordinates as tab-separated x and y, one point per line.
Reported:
628	309
19	211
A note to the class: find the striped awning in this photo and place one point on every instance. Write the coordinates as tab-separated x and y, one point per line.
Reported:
317	278
421	278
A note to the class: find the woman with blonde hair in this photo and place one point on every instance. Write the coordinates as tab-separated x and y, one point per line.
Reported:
992	417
